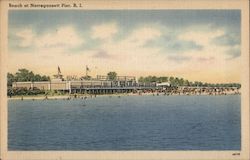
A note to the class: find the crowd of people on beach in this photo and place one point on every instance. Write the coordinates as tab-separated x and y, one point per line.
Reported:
193	91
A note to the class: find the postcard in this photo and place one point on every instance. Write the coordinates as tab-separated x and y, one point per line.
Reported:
124	79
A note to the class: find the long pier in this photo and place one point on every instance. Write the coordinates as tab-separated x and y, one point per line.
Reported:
111	90
89	86
111	87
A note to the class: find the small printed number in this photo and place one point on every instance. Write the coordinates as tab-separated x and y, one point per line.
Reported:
236	154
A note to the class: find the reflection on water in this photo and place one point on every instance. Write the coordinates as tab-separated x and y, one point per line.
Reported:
126	123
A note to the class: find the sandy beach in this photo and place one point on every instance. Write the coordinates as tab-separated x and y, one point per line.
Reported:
140	93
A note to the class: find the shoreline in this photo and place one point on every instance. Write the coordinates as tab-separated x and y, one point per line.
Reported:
85	96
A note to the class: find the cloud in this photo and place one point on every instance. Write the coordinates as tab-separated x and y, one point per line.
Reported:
184	45
102	54
174	45
104	31
233	52
201	37
61	37
26	36
205	59
217	44
141	36
179	58
227	40
130	46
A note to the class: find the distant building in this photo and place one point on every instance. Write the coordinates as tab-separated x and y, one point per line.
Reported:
163	84
43	85
120	81
78	85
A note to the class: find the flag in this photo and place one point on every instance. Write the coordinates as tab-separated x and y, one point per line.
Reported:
59	70
87	68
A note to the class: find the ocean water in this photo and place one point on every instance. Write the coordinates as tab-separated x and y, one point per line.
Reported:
126	123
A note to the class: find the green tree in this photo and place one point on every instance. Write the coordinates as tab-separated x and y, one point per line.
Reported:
163	79
186	83
141	79
154	79
45	78
196	83
112	75
10	79
181	82
171	79
37	77
176	81
148	79
24	75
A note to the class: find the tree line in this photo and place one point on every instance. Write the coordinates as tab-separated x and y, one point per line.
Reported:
24	75
176	81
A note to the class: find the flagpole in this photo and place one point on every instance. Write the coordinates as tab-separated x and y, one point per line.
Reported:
86	71
58	71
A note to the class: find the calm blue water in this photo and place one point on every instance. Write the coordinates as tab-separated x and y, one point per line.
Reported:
126	123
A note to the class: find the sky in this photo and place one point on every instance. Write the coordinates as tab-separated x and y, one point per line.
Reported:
198	45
